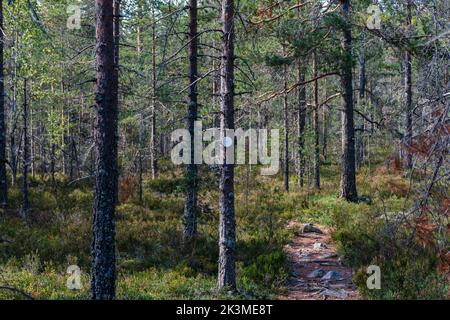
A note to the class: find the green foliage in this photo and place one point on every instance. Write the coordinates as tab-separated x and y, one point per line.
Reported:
408	270
152	261
407	275
166	186
276	61
268	270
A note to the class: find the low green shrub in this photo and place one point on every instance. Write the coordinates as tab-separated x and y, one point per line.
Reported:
409	274
269	271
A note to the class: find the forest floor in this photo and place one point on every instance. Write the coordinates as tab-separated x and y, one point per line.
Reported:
275	258
317	272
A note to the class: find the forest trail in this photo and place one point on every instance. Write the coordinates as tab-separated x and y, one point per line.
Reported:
316	270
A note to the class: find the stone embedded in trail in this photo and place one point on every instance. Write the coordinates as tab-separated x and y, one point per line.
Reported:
309	228
318	246
339	294
325	263
332	275
329	256
338	286
318	273
295	274
304	259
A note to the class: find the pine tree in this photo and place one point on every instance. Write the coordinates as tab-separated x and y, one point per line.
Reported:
348	174
103	274
227	228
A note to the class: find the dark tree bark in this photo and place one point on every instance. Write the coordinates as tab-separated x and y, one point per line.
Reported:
190	210
227	228
362	74
301	115
408	91
286	134
359	135
3	177
53	166
103	274
215	83
25	155
348	173
325	117
13	154
74	161
316	126
139	5
42	153
13	149
141	157
32	145
360	143
153	160
139	48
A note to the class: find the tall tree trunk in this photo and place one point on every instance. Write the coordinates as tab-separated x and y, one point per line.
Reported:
301	122
190	210
325	112
103	274
286	133
139	28
25	159
362	74
348	174
141	156
139	48
53	166
408	91
214	82
360	143
63	143
153	100
3	177
13	109
227	228
301	114
74	162
316	126
32	143
13	154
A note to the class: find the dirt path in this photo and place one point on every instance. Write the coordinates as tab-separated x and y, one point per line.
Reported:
316	270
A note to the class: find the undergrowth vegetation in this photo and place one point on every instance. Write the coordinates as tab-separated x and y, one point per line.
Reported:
153	263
